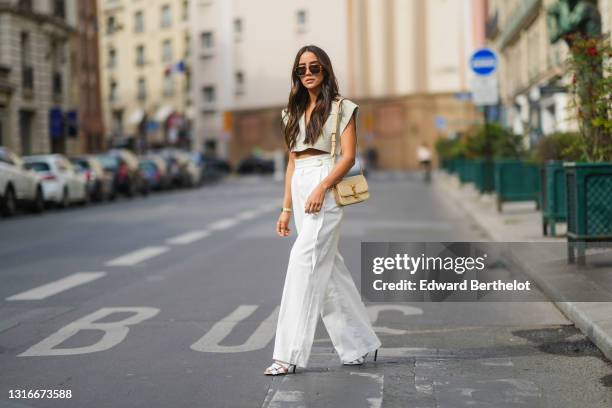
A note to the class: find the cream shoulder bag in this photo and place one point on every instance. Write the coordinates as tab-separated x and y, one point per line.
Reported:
353	189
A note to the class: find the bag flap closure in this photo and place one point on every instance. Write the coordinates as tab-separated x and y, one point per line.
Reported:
352	186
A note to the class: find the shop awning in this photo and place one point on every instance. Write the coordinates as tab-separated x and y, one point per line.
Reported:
162	113
136	117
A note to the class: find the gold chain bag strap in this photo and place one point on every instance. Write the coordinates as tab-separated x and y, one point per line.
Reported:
353	189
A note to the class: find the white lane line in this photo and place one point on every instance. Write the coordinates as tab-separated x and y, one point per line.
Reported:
223	224
137	256
188	237
53	288
245	215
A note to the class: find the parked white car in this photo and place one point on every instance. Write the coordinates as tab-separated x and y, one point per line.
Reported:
18	185
62	184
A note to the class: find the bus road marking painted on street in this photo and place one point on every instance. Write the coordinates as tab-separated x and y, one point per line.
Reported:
137	256
210	342
188	238
114	332
53	288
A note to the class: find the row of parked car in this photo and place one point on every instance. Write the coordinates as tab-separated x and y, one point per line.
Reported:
36	182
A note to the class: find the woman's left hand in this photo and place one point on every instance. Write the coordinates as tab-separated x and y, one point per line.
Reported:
314	203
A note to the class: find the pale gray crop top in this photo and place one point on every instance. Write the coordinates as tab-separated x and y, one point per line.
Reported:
324	142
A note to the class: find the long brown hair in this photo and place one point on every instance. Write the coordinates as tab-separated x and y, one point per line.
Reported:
299	99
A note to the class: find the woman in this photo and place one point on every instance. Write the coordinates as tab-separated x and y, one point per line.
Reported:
317	280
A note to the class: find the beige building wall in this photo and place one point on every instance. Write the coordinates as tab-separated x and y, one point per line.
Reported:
25	112
605	7
263	52
531	69
123	114
381	50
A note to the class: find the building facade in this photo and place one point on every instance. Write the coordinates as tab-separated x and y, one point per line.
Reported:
144	57
38	54
533	79
91	126
397	58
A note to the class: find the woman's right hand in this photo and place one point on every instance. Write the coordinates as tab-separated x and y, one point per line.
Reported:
282	225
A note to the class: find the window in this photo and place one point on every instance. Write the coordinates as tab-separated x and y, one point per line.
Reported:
208	93
59	8
187	80
111	25
239	77
237	29
167	51
185	10
27	71
187	45
113	94
25	5
112	58
302	20
166	16
168	85
140	55
142	89
25	49
207	40
138	22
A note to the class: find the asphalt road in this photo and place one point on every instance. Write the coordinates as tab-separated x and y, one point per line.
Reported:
171	301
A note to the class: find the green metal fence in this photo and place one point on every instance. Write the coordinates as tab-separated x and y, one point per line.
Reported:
554	208
516	180
589	206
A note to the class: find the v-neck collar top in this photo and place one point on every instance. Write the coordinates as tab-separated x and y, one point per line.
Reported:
323	142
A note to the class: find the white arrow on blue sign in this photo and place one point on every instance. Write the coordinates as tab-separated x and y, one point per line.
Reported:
483	62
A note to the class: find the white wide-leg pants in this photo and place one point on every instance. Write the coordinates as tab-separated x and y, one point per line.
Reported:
318	281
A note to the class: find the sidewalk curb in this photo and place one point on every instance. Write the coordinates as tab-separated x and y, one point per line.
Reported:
582	314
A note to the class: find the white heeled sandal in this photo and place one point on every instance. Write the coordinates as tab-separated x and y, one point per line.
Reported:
360	360
278	368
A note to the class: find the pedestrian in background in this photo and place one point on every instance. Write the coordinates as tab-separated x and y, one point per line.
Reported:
317	281
424	156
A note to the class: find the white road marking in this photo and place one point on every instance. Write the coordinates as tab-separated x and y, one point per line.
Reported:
223	224
210	342
374	311
374	402
114	332
53	288
245	215
137	256
286	399
188	238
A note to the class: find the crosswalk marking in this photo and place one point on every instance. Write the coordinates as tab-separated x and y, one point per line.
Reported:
188	237
52	288
137	256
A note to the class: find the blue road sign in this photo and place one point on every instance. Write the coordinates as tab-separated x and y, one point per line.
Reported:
483	62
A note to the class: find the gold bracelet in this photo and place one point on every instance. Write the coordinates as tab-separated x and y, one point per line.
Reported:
285	209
